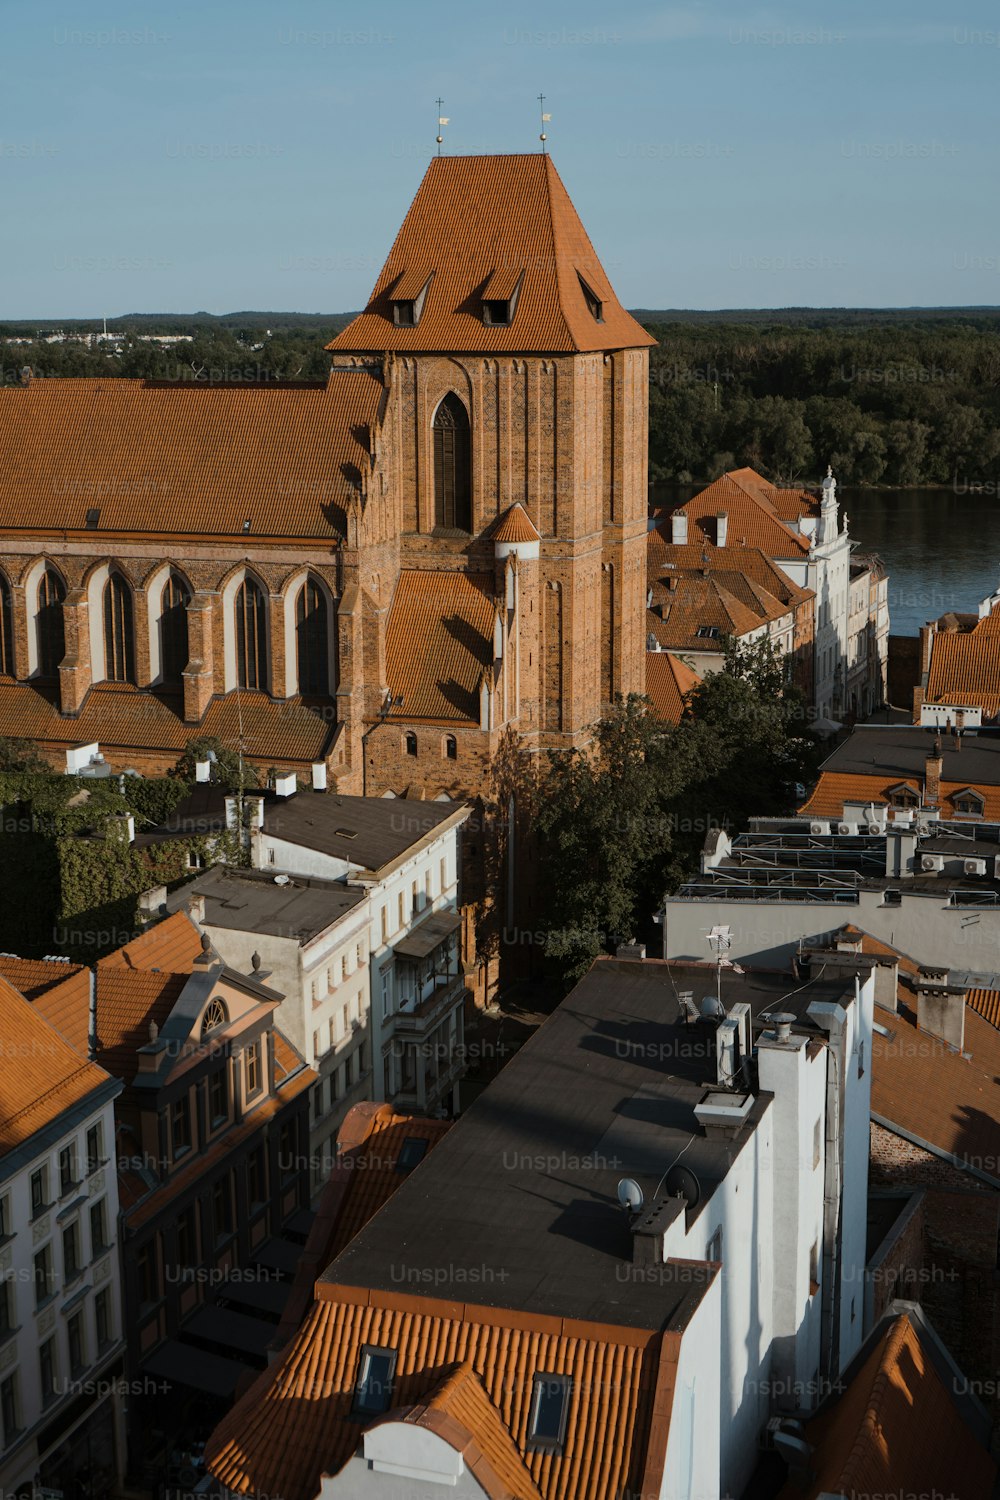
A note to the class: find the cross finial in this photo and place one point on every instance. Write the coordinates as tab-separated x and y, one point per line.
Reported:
545	119
442	120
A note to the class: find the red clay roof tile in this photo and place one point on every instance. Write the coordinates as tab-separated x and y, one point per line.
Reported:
41	1075
439	639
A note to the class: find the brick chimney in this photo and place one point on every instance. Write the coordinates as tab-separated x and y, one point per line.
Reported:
932	774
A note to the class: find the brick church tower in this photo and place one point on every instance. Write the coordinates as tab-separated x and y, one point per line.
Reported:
513	450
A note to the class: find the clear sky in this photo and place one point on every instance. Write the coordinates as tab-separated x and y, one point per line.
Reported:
209	154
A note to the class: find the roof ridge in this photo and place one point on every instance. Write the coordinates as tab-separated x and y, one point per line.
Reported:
870	1423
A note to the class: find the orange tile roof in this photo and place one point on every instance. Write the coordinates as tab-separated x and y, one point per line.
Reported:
985	1003
294	1424
965	667
479	217
668	681
182	459
664	558
127	1001
834	788
940	1096
439	639
896	1430
31	977
462	1415
754	518
170	945
698	603
125	721
517	526
41	1076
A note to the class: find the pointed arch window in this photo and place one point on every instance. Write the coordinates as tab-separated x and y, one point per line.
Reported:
174	629
311	639
6	629
50	635
119	631
251	636
452	466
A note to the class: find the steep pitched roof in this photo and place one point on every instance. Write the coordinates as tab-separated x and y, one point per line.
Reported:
126	720
943	1097
699	604
31	977
754	519
42	1075
668	681
127	1001
895	1430
294	1423
477	221
516	526
171	946
965	667
180	459
439	639
664	557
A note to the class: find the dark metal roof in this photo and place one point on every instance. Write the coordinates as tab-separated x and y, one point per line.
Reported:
428	935
901	750
517	1207
370	832
246	901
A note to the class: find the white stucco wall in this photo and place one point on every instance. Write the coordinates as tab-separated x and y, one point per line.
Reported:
691	1466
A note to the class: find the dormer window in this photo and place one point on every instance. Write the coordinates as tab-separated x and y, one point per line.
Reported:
969	802
500	296
408	297
708	632
903	796
594	304
373	1389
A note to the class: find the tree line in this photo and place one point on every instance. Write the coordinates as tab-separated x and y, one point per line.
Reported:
885	403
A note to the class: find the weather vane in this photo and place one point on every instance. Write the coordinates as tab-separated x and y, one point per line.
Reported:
545	120
442	120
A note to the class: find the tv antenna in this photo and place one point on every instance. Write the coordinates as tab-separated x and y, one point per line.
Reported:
442	121
720	940
545	120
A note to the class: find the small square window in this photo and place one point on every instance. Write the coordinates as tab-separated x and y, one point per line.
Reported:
549	1410
496	311
411	1153
404	314
373	1390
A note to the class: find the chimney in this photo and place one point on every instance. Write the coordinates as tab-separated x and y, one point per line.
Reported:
932	774
319	776
941	1010
679	528
25	374
926	647
287	785
721	528
196	908
203	770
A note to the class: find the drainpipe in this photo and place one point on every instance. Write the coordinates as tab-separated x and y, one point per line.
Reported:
92	1021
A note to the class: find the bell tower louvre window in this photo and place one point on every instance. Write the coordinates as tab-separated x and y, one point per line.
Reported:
49	623
311	639
452	466
119	631
174	629
251	636
500	296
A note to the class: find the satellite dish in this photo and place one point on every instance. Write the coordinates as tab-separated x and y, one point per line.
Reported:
712	1010
681	1182
630	1195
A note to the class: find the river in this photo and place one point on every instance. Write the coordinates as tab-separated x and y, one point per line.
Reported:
941	549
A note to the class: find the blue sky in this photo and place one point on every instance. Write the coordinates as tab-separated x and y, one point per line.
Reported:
223	156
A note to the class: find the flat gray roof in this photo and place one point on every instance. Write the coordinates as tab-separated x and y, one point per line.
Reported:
902	749
248	901
368	831
517	1207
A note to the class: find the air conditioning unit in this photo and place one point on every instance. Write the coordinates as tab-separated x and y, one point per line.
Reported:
931	862
874	828
819	827
847	827
975	867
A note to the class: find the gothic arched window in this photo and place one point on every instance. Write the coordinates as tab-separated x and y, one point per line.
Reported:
311	641
119	631
452	466
174	601
51	640
251	636
6	629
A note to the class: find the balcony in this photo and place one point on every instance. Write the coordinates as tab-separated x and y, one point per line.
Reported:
428	976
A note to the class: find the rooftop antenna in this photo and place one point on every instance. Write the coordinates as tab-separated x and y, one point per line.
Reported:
545	120
442	121
720	940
